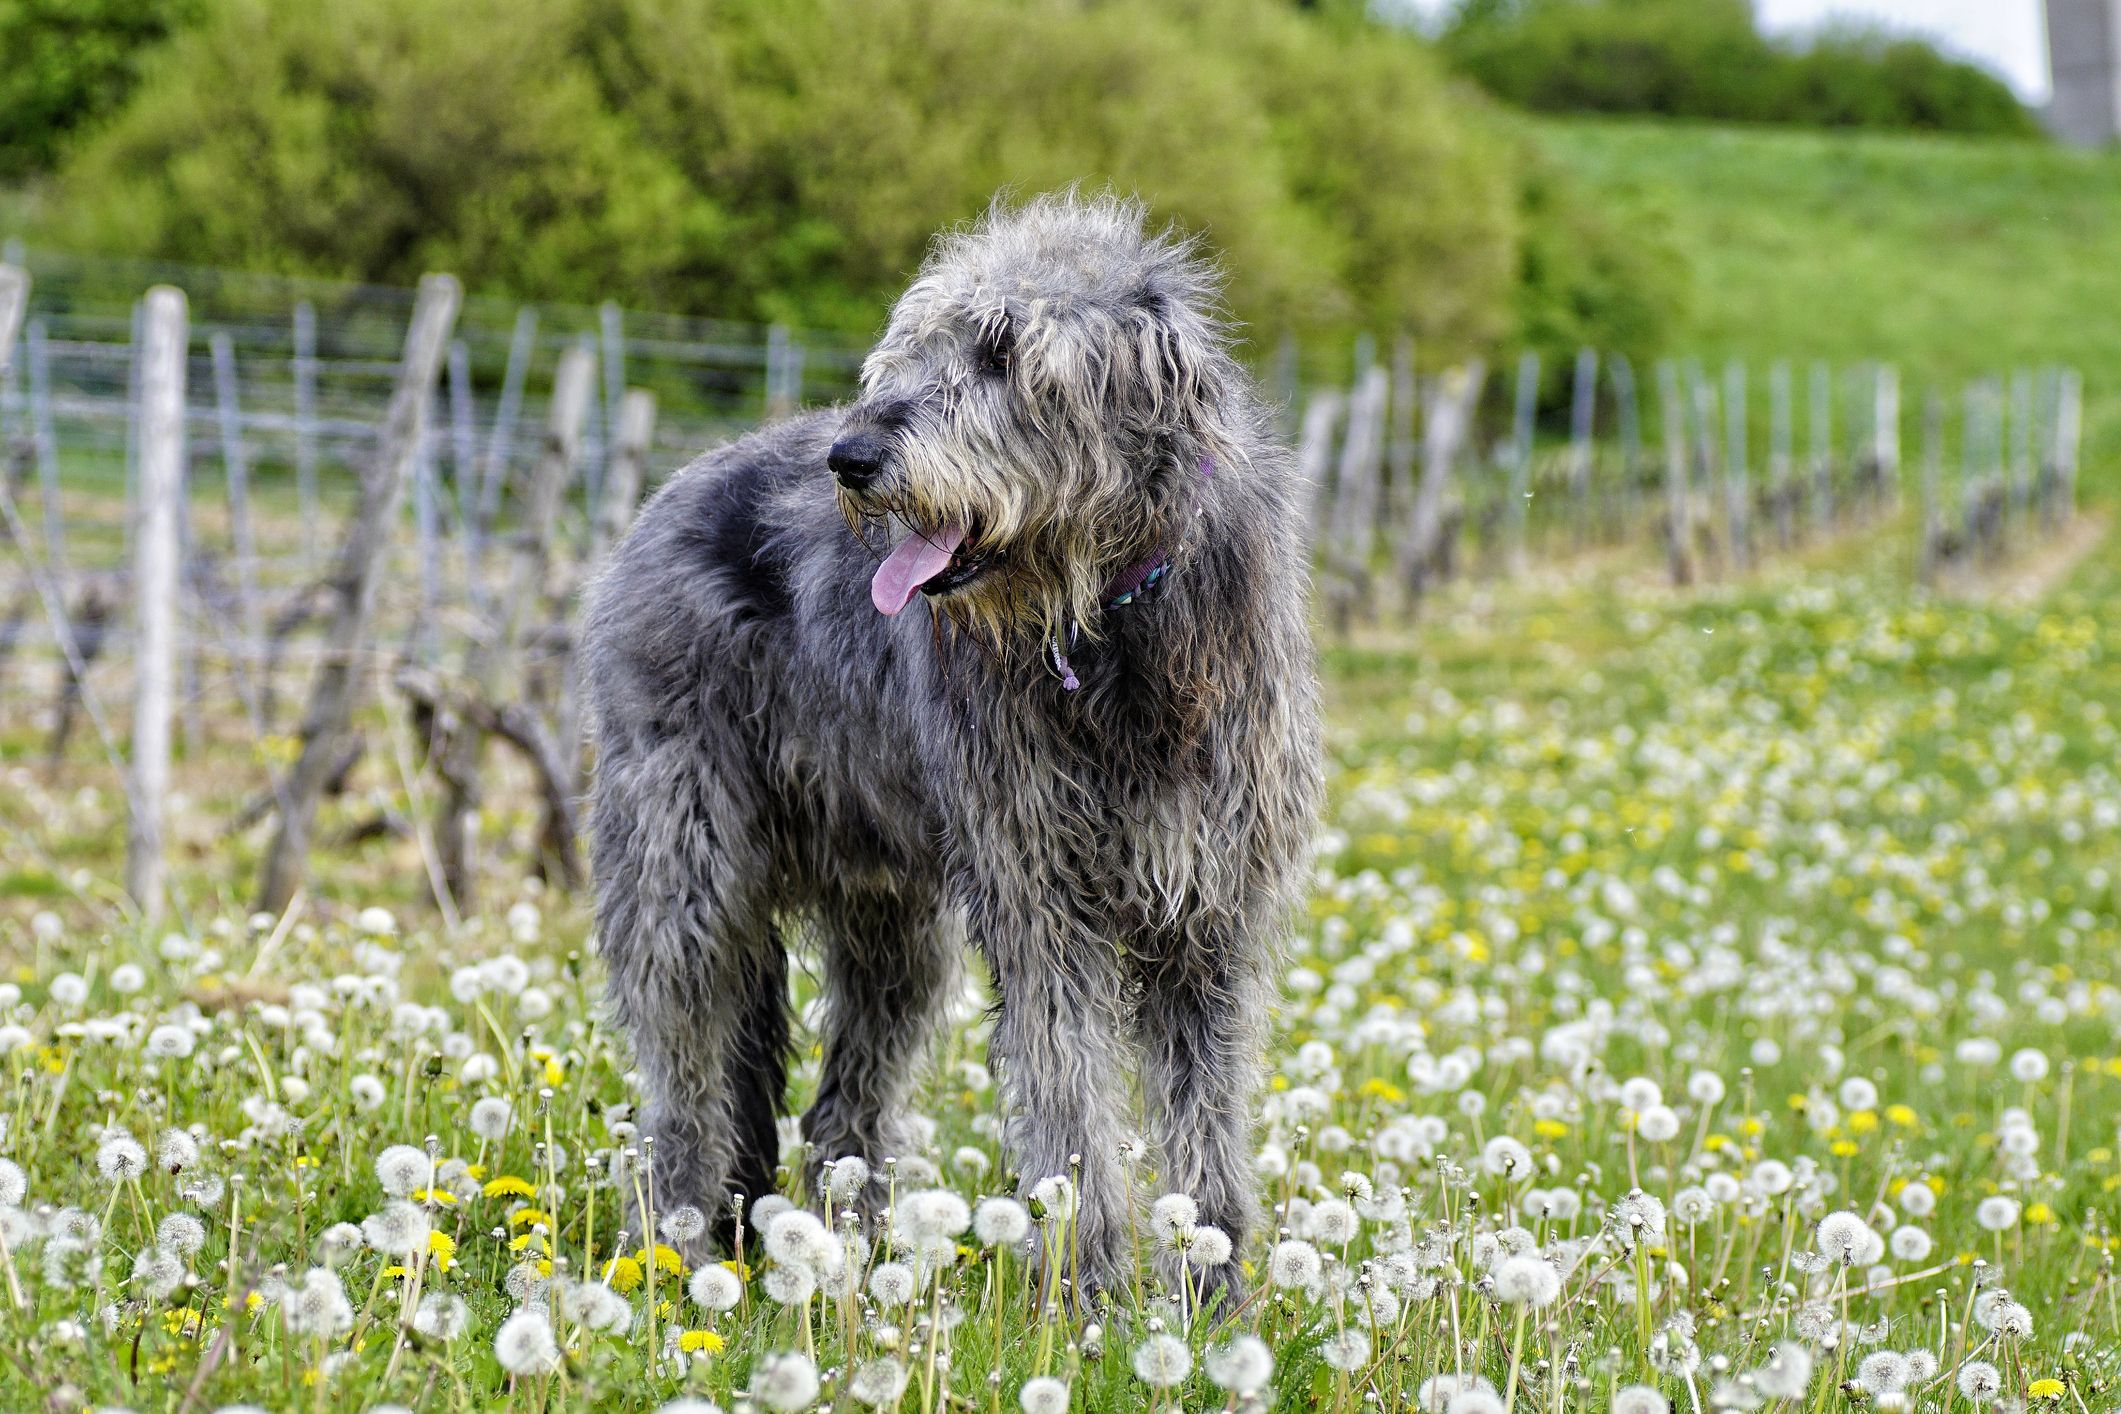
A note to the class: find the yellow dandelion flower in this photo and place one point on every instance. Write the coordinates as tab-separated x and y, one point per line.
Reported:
444	1248
1752	1128
625	1274
1863	1121
2039	1213
2048	1388
440	1196
665	1257
523	1240
553	1074
524	1217
1902	1115
1549	1128
507	1185
1845	1148
1380	1089
1278	1083
694	1342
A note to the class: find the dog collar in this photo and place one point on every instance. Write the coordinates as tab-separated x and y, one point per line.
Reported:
1124	588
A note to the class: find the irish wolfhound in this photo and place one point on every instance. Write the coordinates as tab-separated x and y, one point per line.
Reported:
1093	745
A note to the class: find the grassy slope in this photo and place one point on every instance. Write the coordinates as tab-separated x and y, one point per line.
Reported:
1951	257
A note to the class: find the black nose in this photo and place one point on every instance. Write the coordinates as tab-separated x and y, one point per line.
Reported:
857	459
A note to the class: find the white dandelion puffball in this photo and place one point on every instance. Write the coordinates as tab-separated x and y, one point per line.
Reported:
932	1214
1043	1395
688	1404
1997	1213
377	922
1294	1263
1856	1093
878	1383
1526	1281
169	1042
786	1381
120	1157
1788	1372
1332	1223
1639	1399
1000	1222
442	1316
1845	1238
1207	1247
1171	1212
715	1287
1658	1124
1507	1158
596	1306
2029	1065
798	1238
1640	1092
158	1271
1347	1350
789	1285
1636	1218
1055	1196
682	1224
892	1284
181	1233
1437	1392
845	1178
1980	1381
1162	1361
1909	1243
1881	1372
1917	1200
69	989
524	1344
1242	1366
400	1229
14	1184
1772	1177
1705	1087
402	1169
176	1151
490	1117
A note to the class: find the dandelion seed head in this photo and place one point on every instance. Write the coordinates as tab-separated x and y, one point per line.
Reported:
878	1383
785	1381
1043	1394
120	1157
1000	1222
715	1287
401	1169
524	1343
1162	1361
491	1117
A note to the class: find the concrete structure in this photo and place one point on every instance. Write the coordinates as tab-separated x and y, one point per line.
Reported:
2084	51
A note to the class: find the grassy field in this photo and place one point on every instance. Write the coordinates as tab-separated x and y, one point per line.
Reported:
1705	1000
1953	257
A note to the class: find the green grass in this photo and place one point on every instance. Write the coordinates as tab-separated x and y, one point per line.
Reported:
1952	257
1811	837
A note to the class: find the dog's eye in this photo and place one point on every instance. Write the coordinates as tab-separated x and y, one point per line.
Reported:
996	351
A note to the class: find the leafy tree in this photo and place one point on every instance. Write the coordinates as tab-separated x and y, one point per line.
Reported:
66	63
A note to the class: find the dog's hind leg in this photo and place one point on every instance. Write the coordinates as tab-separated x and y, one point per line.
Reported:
697	974
1201	1024
890	964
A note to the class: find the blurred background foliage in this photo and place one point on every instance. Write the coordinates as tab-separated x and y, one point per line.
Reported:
790	159
1706	59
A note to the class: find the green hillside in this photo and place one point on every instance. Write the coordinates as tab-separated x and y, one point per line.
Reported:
1950	256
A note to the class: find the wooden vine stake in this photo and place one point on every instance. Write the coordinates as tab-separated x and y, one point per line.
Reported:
161	491
360	568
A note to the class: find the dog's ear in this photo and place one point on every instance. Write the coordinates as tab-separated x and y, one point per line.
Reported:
1185	378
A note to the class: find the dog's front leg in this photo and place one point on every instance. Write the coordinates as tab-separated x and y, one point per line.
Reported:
1062	1064
1201	1023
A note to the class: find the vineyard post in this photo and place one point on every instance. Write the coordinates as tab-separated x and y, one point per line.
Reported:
1521	428
155	552
360	567
1678	533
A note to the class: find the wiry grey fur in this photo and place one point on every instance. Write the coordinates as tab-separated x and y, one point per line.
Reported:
776	754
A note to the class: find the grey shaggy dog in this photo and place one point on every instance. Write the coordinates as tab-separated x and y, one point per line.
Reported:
1092	745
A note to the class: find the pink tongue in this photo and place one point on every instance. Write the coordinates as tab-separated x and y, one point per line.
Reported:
916	560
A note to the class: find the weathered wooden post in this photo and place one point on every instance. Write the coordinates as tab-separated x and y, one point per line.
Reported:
1779	481
1820	428
44	437
14	305
360	568
1627	405
1445	430
1399	479
166	338
1355	526
305	372
463	440
236	465
2021	462
1521	430
1737	495
628	468
2069	431
1583	414
1708	467
611	342
1679	549
779	401
1931	549
1314	457
500	443
1885	430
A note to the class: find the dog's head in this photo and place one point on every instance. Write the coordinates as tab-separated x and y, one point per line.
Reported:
1037	414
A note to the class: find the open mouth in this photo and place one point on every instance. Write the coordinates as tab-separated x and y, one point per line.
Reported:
932	562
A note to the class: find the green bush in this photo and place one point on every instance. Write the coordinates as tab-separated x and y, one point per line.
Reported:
790	159
66	63
1705	59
